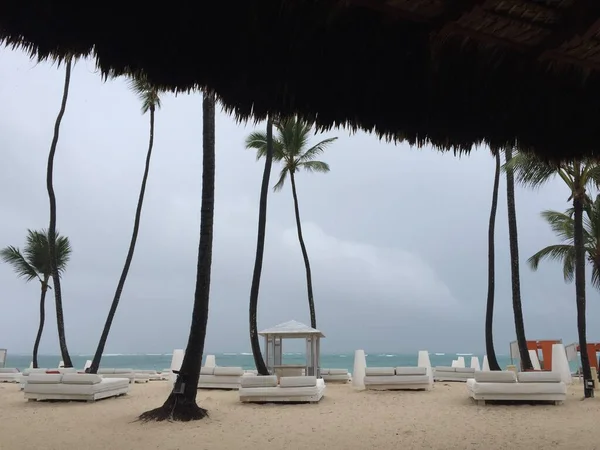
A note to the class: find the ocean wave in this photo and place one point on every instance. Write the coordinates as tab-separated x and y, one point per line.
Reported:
464	354
440	354
230	354
246	354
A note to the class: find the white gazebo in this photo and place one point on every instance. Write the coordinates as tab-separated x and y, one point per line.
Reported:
292	330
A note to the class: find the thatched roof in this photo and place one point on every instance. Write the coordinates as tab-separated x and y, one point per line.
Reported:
454	72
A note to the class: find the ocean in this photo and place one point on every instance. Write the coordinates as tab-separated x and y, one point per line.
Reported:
245	360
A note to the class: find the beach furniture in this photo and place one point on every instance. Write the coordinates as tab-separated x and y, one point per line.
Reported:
518	387
267	389
335	375
3	353
445	373
152	375
360	365
220	377
73	386
130	374
397	378
9	375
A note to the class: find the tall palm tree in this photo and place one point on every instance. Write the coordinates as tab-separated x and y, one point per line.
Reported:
290	149
489	313
34	264
181	404
563	225
514	264
577	175
149	96
60	319
259	361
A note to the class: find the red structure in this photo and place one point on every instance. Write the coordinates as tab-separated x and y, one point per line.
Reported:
592	349
544	345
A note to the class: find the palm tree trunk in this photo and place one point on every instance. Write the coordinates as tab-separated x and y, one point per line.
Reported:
259	362
578	242
181	404
60	321
136	227
489	313
38	337
514	264
311	301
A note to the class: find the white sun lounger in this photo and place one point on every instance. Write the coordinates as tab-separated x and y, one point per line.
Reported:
524	387
397	378
444	373
264	389
9	375
73	386
152	375
133	376
220	377
335	375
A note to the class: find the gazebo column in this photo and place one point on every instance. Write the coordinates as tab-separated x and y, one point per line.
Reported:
317	356
277	350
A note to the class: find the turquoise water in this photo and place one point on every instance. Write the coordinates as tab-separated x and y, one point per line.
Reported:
245	360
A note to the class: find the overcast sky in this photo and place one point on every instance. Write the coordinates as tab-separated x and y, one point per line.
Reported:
397	236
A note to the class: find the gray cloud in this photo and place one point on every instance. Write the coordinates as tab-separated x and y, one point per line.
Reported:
397	236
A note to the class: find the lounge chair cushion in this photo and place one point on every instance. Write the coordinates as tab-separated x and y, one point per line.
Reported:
464	370
8	370
337	372
411	371
44	378
380	371
228	371
324	371
496	376
394	380
81	378
445	369
538	377
259	381
106	371
291	382
207	370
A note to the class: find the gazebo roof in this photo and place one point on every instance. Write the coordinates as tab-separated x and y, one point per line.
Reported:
291	329
447	72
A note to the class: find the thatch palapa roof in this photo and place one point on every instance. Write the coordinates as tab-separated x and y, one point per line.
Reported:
453	72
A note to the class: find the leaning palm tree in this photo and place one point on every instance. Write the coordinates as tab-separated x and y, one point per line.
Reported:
514	264
34	264
563	225
181	404
149	96
259	361
577	175
60	319
290	149
489	312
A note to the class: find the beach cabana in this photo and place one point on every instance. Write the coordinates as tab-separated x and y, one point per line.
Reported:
274	338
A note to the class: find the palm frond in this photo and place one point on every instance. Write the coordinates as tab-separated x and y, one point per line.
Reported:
562	224
591	173
282	178
63	253
564	253
529	170
13	256
257	140
596	276
316	150
315	166
146	92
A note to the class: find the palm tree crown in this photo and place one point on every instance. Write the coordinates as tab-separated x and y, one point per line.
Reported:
290	148
147	93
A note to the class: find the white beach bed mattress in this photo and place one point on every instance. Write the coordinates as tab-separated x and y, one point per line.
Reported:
444	373
397	378
290	389
73	386
9	375
220	377
506	385
335	375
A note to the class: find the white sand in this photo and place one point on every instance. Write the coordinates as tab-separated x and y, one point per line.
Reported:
444	418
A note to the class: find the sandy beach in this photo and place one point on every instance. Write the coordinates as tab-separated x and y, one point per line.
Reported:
444	418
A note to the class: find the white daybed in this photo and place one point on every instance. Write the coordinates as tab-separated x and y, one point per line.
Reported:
335	375
220	378
25	374
525	387
398	378
9	375
73	386
152	375
444	373
133	376
265	389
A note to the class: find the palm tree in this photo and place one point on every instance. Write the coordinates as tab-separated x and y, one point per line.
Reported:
181	404
60	320
290	149
34	264
563	225
259	362
149	96
489	313
514	264
577	175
